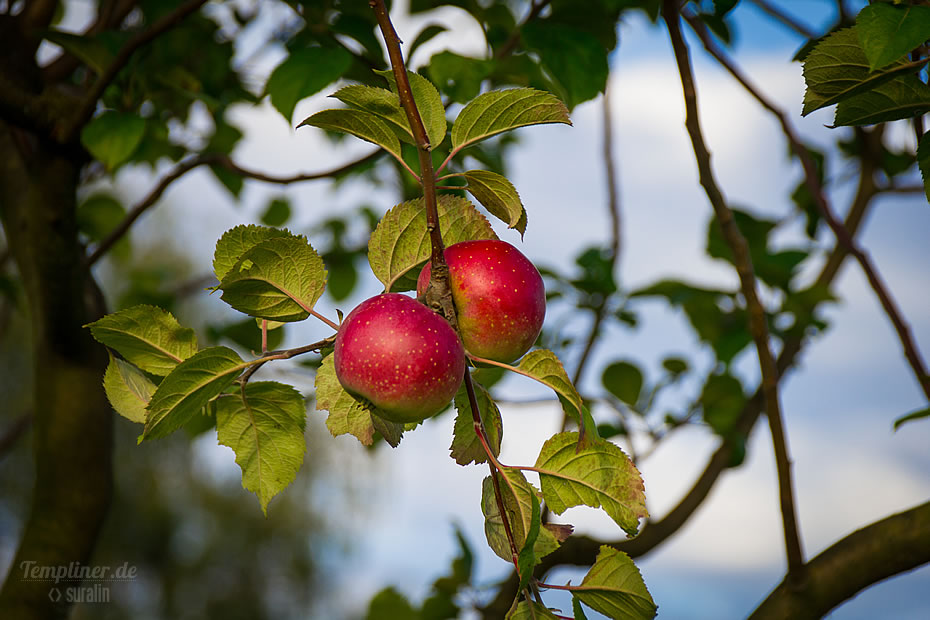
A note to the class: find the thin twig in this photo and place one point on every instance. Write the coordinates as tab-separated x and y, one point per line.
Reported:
613	208
218	159
511	43
757	320
162	25
911	352
283	354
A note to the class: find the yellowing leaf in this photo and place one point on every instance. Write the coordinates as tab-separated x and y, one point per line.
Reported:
147	337
600	476
615	587
499	197
347	414
128	389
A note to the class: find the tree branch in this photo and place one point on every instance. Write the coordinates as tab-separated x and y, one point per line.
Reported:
885	548
757	320
911	352
218	159
89	102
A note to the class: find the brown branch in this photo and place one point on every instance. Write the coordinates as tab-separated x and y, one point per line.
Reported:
757	320
89	103
613	208
812	181
581	550
785	18
883	549
217	159
438	293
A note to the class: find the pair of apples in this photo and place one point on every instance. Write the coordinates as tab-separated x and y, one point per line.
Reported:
409	362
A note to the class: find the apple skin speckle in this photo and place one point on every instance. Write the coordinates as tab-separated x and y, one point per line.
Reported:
499	295
401	356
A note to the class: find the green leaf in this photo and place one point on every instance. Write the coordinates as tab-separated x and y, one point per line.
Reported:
380	102
499	197
577	610
503	110
360	124
598	476
457	76
401	242
279	279
236	241
923	161
429	104
530	610
624	380
675	365
265	428
190	386
277	213
88	49
563	50
914	415
347	414
147	337
466	447
615	587
128	389
517	495
903	97
545	367
112	137
526	559
722	401
887	32
389	604
304	73
837	69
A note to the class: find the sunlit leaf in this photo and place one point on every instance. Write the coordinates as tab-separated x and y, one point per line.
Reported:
600	476
128	389
147	337
429	104
502	110
279	279
499	197
615	587
401	241
189	387
236	241
347	414
360	124
264	427
530	610
517	494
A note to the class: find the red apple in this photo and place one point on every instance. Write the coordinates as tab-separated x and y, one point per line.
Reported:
400	355
499	296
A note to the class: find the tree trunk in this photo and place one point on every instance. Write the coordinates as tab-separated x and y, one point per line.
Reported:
72	430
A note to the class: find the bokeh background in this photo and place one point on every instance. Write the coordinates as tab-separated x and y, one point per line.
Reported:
358	520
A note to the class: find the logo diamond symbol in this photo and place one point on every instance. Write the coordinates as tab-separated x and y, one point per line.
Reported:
54	595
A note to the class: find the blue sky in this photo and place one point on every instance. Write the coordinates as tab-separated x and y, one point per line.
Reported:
839	404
